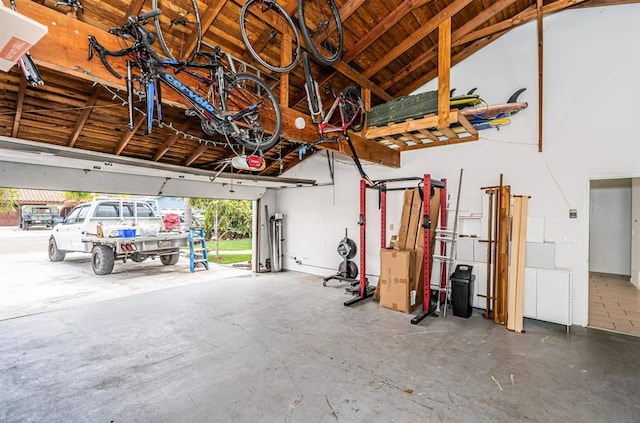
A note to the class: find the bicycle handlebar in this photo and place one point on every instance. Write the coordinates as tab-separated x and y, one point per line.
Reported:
151	14
133	28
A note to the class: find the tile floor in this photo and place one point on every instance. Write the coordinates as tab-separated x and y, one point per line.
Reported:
614	303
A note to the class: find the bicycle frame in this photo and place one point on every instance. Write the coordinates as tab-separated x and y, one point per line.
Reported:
239	98
338	103
203	108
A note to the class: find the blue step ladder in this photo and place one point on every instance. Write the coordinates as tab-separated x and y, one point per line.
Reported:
197	249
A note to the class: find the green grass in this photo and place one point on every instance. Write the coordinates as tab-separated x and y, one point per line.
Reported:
231	245
229	258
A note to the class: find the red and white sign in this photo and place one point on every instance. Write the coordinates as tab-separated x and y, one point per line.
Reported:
14	49
18	34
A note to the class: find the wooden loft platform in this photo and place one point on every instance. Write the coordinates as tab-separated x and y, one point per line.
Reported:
423	132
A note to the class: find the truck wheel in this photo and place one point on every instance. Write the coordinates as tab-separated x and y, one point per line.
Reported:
54	253
170	260
102	260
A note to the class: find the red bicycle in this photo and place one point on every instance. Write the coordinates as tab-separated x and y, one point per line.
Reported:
348	103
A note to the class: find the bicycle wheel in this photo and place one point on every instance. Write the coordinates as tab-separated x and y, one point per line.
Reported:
264	24
313	97
261	122
353	109
322	29
178	28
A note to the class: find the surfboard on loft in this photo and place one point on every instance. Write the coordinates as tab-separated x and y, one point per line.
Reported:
482	114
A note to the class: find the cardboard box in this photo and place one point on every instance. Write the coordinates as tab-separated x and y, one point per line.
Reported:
396	279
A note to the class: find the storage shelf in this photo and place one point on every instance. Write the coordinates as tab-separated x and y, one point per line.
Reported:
423	132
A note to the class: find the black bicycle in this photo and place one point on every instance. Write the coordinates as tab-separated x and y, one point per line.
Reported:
236	105
266	26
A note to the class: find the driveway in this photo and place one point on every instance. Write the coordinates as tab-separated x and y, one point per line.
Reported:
30	283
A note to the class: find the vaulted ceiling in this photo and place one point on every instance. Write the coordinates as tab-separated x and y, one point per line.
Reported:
390	48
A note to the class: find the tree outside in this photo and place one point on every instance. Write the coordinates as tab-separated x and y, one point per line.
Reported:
8	200
225	219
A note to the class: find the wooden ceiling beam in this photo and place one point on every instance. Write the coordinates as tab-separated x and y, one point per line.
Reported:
162	150
367	150
206	20
417	36
84	116
375	33
465	29
127	136
22	91
602	3
444	73
134	9
522	17
291	148
455	59
382	27
196	153
64	49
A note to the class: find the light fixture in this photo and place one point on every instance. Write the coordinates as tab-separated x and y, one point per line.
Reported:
300	122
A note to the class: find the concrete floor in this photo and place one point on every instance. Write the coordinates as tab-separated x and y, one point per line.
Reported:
30	283
281	347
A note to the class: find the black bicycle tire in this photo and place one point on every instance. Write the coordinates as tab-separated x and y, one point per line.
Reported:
275	136
306	34
358	122
310	84
243	31
160	35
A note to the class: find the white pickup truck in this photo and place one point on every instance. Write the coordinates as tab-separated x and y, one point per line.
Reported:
114	229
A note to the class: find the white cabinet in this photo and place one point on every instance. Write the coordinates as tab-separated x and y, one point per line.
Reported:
553	300
547	293
530	293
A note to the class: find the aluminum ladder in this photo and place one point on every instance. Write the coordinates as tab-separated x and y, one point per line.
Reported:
448	239
197	249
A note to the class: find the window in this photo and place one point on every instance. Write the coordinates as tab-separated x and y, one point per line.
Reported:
73	216
84	211
144	210
107	210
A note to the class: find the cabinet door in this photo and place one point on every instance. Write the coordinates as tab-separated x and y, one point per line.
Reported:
553	296
530	293
480	285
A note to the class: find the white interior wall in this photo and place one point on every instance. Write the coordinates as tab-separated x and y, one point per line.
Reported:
260	238
591	68
635	232
610	226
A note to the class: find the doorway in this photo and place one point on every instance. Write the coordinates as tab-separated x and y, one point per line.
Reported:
614	297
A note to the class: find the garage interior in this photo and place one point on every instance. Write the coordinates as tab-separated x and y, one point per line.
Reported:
273	346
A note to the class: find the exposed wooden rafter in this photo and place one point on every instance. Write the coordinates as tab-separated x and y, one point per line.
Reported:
134	9
602	3
19	104
196	153
162	150
539	5
127	136
84	116
206	20
68	33
444	67
522	17
418	35
455	59
465	29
